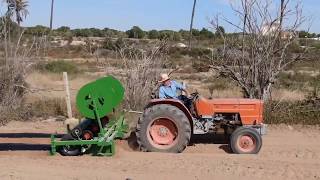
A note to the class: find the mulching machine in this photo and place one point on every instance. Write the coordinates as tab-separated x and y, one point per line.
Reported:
96	101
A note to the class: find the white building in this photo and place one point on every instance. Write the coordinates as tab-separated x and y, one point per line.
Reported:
269	28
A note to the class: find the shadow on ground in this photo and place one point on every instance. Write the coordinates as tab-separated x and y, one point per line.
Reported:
212	139
209	139
132	141
25	146
195	139
28	135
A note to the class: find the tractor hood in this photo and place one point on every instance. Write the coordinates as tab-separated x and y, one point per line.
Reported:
250	110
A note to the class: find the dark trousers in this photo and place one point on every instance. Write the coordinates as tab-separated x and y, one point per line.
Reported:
185	100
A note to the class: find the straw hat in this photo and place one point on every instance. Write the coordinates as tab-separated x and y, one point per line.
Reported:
163	78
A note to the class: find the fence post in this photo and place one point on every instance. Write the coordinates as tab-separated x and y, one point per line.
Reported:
68	99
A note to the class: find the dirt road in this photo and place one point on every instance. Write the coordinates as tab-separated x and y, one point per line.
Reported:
287	153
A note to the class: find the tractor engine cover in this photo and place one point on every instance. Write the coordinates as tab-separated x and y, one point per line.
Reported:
250	110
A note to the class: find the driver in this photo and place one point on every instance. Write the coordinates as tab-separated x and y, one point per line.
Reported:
169	88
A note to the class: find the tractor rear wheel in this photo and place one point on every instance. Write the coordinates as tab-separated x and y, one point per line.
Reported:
163	128
245	140
69	150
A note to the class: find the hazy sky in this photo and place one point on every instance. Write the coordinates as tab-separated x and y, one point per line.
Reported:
148	14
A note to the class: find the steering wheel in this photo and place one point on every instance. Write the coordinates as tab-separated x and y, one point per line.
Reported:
194	95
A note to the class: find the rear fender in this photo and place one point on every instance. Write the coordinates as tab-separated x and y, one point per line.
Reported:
175	103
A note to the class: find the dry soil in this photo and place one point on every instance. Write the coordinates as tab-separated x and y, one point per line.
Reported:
287	153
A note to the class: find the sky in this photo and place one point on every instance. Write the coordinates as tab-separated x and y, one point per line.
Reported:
147	14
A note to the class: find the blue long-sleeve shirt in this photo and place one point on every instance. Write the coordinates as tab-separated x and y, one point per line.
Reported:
170	91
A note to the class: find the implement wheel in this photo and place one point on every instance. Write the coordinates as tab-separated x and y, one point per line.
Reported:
245	141
163	128
69	150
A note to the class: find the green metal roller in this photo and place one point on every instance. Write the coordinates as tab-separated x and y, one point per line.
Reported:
107	92
95	101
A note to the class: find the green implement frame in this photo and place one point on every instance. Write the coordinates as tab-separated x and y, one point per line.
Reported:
103	145
94	101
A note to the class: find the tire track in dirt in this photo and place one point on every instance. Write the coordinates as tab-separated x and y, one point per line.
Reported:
286	154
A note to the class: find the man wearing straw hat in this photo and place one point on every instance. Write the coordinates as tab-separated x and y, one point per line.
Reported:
169	88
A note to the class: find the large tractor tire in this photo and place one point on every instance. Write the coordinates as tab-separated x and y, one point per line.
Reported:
245	140
163	128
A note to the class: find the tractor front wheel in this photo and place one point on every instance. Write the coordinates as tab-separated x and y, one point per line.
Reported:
245	140
163	128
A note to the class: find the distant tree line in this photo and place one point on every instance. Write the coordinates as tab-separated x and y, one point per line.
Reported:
134	32
305	34
138	33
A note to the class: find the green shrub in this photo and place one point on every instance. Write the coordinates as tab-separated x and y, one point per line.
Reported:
306	112
135	32
316	45
58	67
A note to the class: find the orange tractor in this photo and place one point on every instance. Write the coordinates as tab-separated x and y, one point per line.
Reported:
168	124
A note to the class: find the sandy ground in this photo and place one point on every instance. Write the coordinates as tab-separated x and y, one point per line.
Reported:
287	153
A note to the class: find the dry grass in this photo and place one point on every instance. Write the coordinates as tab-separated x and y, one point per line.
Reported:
201	82
14	65
51	84
45	104
288	95
47	107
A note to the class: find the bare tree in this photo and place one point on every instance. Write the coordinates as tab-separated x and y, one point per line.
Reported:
141	71
92	49
255	57
16	57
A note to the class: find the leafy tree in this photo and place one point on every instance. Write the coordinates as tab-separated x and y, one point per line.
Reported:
82	32
136	32
96	32
166	34
313	35
153	34
38	30
195	32
184	34
107	32
63	29
176	36
170	35
206	34
220	30
111	45
77	32
303	34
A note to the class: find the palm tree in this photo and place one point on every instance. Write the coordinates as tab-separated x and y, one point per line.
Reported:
191	24
18	8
